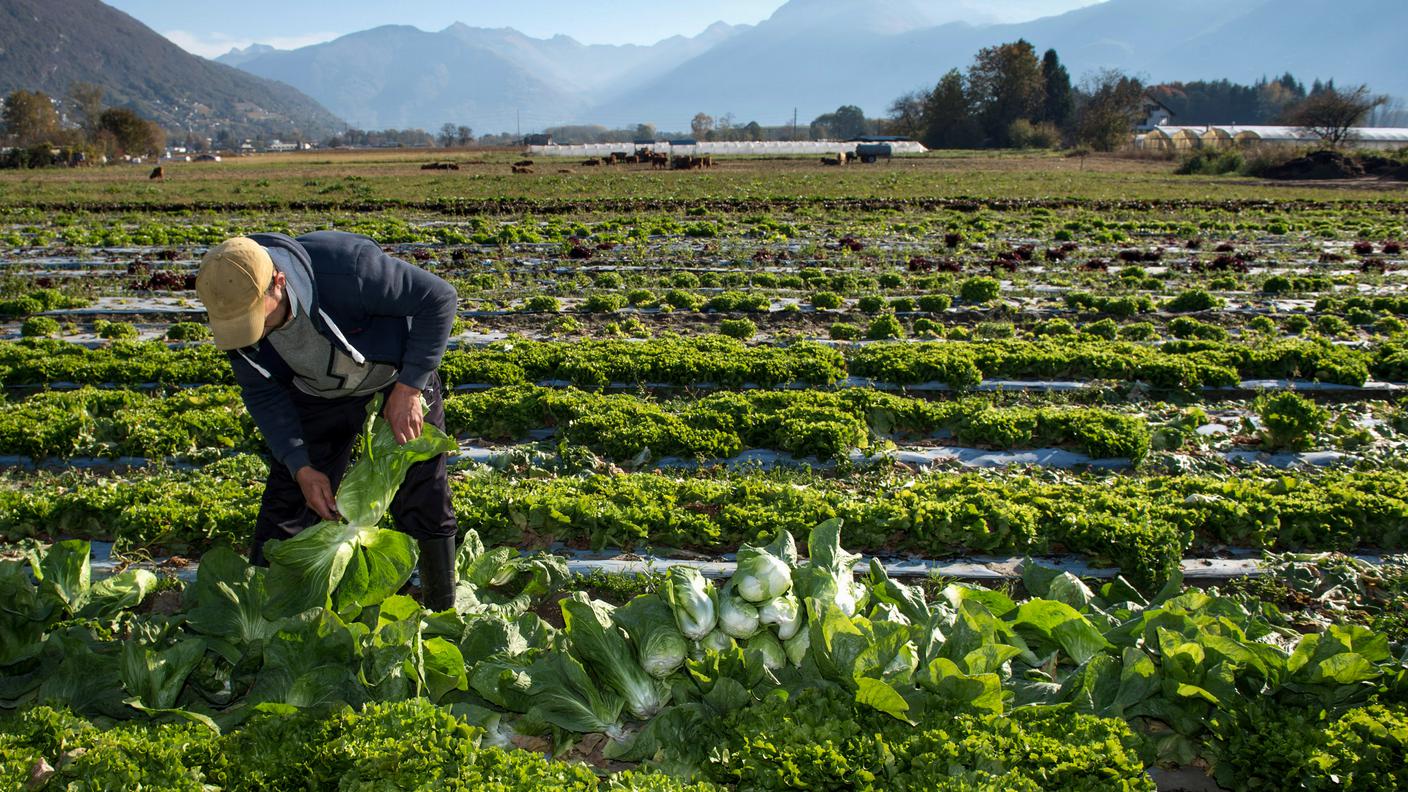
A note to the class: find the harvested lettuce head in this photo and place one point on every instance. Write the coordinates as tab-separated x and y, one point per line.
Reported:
659	644
692	600
765	644
766	572
783	614
797	646
829	574
737	616
604	649
717	641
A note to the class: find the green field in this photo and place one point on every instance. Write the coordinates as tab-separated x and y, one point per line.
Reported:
1092	362
330	180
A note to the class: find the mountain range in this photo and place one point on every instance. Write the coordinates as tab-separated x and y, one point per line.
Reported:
396	76
47	45
815	55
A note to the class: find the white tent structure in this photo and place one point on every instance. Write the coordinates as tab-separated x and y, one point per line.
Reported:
1169	137
819	148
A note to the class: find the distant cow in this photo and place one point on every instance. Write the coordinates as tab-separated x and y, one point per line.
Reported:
158	174
523	164
522	169
591	163
839	159
440	166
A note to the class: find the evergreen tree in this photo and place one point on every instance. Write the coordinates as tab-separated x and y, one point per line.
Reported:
1060	102
948	115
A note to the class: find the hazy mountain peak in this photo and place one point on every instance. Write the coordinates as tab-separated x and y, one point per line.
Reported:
236	55
870	16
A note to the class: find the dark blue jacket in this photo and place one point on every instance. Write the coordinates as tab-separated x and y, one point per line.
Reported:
372	306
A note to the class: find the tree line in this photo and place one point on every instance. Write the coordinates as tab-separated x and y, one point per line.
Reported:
1010	98
33	129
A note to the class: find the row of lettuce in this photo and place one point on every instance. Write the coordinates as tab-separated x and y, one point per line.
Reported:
821	740
1128	292
725	362
793	674
607	292
96	422
1109	223
1142	524
201	422
885	326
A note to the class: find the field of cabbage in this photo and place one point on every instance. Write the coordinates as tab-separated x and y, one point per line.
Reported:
766	407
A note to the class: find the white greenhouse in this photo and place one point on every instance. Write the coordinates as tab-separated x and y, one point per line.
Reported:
819	148
1184	138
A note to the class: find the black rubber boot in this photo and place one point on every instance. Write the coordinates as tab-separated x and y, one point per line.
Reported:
437	573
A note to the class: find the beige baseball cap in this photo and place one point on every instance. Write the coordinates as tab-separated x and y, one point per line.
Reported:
231	283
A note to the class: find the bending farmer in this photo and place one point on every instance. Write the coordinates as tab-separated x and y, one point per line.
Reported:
315	327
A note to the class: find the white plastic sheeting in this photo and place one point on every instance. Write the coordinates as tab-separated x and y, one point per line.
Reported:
979	568
719	148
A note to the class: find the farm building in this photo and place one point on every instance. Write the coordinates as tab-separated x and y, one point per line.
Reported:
1187	138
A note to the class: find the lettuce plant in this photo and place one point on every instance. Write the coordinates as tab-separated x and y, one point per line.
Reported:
344	564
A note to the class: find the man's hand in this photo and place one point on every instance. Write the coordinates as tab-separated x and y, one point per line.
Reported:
404	412
317	490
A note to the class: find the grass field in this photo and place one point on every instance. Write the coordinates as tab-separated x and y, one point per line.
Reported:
366	178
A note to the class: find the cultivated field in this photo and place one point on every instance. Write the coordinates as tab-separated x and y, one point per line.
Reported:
1090	362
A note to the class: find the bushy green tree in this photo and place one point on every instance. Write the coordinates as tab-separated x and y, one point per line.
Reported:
847	122
1005	83
131	134
30	118
1112	105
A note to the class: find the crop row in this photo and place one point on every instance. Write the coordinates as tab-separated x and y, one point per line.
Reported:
1111	223
409	744
824	424
912	277
725	362
415	744
1141	524
112	423
794	674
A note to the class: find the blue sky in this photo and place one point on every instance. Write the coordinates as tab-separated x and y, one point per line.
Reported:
211	29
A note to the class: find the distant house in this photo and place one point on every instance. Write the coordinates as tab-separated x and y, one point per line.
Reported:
537	140
1156	114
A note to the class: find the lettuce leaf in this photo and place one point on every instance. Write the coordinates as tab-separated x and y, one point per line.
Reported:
354	564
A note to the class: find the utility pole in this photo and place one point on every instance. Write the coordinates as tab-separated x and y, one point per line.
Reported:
518	117
794	124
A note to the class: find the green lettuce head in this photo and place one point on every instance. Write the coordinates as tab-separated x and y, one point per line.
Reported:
766	572
692	600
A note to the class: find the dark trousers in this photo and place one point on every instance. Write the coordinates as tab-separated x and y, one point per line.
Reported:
331	427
